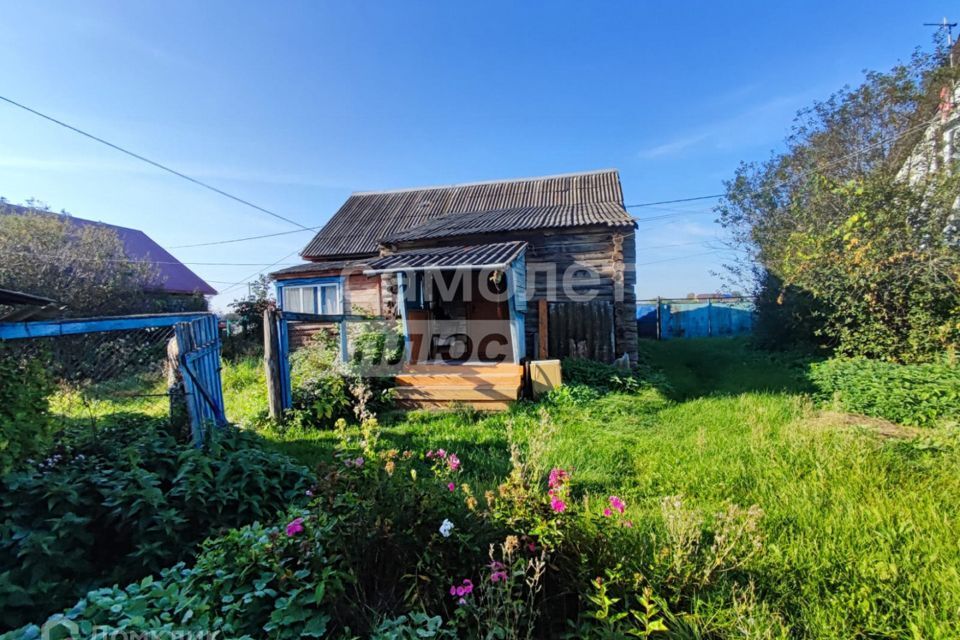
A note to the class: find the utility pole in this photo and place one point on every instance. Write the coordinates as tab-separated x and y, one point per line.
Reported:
947	28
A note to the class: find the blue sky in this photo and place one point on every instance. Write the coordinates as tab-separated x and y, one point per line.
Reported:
295	105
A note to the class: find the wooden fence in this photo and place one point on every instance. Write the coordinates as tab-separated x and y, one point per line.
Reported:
581	330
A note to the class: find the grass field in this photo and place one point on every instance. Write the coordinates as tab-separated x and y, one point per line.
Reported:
862	530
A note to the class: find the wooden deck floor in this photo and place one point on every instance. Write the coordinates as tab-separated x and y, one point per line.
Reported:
487	387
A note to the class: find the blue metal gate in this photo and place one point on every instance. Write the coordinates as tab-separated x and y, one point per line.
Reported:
198	353
198	345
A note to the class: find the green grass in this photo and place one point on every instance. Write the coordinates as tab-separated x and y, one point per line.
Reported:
862	532
244	391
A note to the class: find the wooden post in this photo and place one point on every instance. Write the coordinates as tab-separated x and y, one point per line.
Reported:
271	363
543	328
659	337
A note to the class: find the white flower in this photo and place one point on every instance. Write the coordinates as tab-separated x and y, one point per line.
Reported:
445	528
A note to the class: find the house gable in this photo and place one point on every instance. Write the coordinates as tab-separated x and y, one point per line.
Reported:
367	218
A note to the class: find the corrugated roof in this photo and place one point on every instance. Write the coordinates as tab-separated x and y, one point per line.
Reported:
519	219
175	277
483	255
366	218
310	267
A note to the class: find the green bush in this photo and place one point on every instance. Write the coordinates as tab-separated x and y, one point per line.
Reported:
25	426
122	500
396	545
606	378
326	390
920	395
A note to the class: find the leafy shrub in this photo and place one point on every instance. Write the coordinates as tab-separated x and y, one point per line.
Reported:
606	378
395	545
921	394
325	390
119	501
25	426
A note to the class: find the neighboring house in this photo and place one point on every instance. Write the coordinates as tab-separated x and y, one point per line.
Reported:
174	279
938	146
480	274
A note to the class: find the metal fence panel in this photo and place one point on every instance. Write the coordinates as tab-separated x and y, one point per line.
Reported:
127	364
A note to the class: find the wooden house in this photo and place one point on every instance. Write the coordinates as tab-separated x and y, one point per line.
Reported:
483	277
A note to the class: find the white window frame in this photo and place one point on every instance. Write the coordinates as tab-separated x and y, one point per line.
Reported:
293	298
323	295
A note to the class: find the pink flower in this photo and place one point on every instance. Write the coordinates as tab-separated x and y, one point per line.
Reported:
498	571
453	462
358	462
441	453
558	505
628	524
557	477
294	527
430	453
465	588
451	486
607	513
617	504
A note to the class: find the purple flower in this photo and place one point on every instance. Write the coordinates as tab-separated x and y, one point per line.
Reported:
453	462
458	591
557	477
617	504
294	527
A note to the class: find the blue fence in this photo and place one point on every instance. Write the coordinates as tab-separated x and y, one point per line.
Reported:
694	318
129	361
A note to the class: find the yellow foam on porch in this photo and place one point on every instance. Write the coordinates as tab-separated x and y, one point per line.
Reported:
544	376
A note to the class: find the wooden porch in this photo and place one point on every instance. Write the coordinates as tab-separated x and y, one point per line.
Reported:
483	386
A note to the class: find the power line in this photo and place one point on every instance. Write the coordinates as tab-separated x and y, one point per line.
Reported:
650	204
55	257
151	162
265	235
256	274
673	215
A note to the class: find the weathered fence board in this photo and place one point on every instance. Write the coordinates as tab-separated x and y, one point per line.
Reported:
581	330
198	343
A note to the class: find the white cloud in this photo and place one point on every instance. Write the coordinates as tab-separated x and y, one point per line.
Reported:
765	123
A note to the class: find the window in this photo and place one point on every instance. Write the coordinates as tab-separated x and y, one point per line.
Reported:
321	298
329	298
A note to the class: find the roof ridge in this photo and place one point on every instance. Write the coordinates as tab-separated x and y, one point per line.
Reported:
482	182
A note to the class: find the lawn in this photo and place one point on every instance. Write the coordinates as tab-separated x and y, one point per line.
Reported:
861	521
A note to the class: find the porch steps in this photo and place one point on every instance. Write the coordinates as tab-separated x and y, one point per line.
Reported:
485	387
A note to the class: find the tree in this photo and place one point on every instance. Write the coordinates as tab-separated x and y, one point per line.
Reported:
841	250
83	267
249	312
